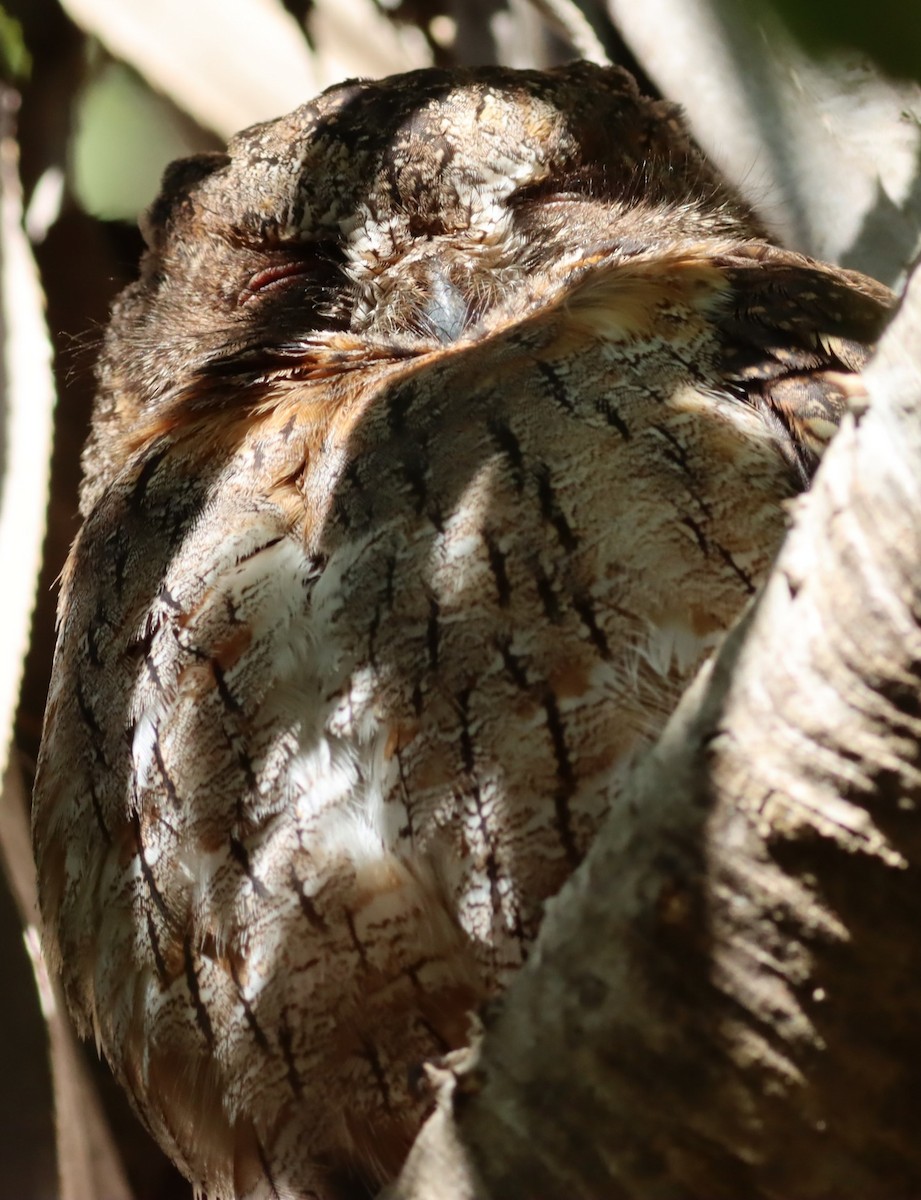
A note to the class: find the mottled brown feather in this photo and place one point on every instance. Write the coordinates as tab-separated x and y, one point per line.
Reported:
449	424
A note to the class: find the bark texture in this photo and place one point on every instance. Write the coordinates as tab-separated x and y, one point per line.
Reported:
724	1001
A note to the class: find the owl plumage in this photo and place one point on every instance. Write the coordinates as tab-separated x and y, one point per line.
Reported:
449	424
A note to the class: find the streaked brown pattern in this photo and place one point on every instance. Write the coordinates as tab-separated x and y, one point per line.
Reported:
448	426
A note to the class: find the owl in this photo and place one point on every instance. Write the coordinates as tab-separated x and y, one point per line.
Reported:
450	423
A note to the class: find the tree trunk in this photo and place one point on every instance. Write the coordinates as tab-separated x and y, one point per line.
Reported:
724	1000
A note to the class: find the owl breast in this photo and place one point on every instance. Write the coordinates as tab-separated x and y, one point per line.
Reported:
411	507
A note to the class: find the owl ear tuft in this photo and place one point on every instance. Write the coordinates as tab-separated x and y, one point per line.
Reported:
179	181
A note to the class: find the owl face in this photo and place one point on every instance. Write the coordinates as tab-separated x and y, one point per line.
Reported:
408	213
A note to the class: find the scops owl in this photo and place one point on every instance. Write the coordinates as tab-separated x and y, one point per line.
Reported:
449	424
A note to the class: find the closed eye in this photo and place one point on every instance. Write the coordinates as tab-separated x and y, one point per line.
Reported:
315	265
275	276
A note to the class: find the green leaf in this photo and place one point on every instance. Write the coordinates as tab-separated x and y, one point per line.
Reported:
15	60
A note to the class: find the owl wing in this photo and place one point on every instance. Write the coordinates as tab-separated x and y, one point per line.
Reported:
795	335
228	926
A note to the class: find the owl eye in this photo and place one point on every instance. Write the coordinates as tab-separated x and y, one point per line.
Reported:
314	263
273	277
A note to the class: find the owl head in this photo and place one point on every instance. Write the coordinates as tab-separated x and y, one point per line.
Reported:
408	211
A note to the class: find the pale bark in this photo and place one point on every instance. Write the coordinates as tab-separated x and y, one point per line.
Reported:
724	1001
826	151
26	411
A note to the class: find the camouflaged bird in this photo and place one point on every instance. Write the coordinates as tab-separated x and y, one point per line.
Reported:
449	425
